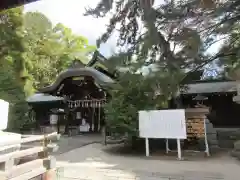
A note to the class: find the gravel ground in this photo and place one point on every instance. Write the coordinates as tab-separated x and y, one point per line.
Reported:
91	162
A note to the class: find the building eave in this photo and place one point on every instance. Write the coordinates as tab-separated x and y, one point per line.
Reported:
7	4
100	78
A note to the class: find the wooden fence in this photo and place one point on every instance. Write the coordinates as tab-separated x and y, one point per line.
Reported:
31	160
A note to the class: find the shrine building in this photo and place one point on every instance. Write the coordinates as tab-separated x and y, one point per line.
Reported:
84	91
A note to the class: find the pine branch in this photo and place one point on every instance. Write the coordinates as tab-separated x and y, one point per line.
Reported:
220	55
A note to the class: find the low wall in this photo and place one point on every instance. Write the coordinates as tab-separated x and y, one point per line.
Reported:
227	137
222	137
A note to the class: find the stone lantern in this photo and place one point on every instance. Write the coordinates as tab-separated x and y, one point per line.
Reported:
235	75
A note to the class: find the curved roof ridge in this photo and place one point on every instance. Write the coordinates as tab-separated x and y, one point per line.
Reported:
100	78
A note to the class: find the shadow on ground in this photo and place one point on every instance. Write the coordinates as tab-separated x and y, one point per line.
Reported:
67	144
160	153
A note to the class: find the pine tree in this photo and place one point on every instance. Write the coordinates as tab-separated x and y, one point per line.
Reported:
192	26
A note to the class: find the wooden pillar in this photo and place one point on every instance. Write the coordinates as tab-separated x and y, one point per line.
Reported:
104	135
50	175
67	119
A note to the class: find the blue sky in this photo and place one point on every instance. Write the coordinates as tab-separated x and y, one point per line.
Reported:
70	13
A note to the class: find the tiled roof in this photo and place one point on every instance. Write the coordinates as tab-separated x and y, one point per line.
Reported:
100	78
40	97
210	87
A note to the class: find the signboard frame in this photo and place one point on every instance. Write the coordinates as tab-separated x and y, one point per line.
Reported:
148	121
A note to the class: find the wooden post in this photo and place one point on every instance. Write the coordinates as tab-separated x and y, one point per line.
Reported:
104	135
49	164
49	175
99	117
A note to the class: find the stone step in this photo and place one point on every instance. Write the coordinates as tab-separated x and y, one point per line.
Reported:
226	143
228	135
213	142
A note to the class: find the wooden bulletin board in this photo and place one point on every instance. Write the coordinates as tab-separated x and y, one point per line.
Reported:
195	127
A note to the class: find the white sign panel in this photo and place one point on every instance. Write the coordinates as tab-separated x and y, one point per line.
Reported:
167	124
4	106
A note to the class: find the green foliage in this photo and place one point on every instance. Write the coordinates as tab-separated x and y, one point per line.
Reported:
121	111
12	92
175	39
137	93
50	49
12	67
32	53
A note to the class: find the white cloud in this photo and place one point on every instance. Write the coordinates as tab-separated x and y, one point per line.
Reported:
70	13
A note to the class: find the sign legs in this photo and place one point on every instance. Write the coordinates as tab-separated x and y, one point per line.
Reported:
147	146
205	138
167	146
179	149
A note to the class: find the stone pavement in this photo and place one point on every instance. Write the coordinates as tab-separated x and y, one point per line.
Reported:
91	163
